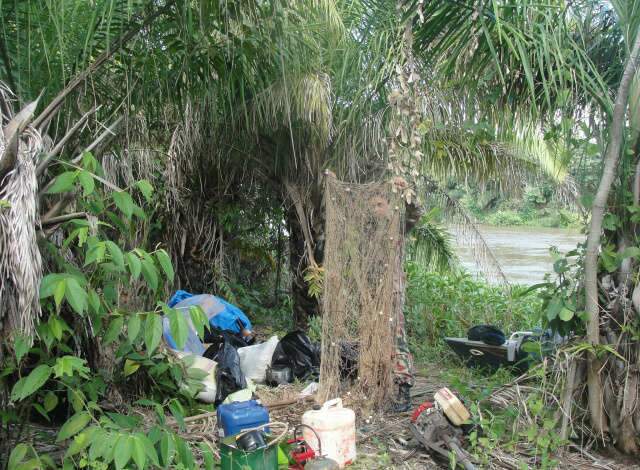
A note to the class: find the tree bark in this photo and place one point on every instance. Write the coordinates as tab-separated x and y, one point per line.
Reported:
593	239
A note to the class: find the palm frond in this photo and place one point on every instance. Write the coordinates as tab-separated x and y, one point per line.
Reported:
20	261
468	232
430	245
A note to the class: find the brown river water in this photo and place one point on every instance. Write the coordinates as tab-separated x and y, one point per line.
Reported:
523	252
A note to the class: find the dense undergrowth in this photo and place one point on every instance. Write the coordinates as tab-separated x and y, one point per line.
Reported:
440	305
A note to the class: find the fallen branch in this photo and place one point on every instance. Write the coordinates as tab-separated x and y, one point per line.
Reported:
63	218
51	155
290	401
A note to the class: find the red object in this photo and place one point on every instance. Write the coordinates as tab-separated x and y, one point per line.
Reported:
301	453
418	411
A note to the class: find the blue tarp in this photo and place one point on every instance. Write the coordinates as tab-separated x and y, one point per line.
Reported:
221	314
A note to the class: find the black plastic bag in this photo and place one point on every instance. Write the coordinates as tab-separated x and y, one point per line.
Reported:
229	376
488	334
297	351
216	338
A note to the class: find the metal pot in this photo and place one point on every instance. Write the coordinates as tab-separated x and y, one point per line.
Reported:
253	440
279	375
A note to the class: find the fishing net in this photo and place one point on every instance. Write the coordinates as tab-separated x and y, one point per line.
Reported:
362	289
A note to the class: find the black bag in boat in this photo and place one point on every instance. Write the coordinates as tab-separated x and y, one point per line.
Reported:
297	351
488	334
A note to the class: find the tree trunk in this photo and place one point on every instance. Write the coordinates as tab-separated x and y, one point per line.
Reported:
593	239
304	306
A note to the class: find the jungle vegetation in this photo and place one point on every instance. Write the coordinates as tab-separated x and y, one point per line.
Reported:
150	145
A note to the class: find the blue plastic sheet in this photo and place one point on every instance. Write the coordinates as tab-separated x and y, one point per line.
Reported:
178	296
221	315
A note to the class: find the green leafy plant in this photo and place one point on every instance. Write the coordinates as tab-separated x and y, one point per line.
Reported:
68	389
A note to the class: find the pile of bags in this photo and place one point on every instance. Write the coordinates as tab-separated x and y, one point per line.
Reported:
233	364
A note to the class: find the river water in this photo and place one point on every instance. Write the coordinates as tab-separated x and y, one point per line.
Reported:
523	252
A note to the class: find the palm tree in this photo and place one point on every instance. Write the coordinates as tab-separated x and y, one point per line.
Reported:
314	95
525	51
233	101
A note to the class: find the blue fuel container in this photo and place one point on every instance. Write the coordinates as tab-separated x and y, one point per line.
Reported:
240	415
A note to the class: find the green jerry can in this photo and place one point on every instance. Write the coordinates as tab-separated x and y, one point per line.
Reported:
234	458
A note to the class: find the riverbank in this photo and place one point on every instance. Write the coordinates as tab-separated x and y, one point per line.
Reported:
535	208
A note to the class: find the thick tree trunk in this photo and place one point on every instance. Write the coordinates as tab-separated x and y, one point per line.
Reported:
593	239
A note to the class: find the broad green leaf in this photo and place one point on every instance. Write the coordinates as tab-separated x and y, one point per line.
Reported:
145	188
94	301
130	367
167	449
199	319
50	401
609	259
74	425
566	314
69	365
31	383
186	456
116	254
82	440
124	202
87	183
18	454
150	272
115	328
89	162
139	452
58	294
165	263
134	264
21	346
152	332
123	451
133	327
179	328
49	284
125	421
177	411
77	399
101	443
554	307
149	448
95	254
83	233
76	296
63	183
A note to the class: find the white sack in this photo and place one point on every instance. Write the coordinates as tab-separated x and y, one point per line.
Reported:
255	359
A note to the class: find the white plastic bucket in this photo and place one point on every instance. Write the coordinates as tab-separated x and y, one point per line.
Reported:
336	427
